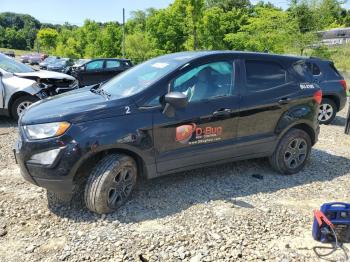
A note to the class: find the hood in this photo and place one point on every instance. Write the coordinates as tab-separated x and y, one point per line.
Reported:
45	74
76	106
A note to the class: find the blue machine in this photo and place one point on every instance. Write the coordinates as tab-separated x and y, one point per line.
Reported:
332	223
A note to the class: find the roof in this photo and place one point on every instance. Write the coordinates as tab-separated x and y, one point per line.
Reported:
190	55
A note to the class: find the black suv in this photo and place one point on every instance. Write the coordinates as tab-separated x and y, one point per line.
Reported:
99	70
333	86
176	112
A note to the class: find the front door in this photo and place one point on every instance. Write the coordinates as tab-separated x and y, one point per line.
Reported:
205	130
2	93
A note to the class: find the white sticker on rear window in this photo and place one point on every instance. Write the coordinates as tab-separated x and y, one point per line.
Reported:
307	86
160	65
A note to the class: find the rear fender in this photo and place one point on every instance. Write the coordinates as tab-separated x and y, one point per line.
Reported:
300	117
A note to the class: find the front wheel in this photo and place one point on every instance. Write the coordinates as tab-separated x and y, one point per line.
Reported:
21	104
292	152
110	183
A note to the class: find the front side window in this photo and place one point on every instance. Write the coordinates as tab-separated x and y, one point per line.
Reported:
94	65
112	64
262	75
206	81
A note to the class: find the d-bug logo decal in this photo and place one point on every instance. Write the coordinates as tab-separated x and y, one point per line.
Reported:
184	133
191	134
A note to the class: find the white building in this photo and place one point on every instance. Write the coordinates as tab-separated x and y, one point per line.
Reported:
336	36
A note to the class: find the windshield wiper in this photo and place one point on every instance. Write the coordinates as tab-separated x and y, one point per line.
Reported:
97	90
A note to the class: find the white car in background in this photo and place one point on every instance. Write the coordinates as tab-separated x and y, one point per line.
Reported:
21	85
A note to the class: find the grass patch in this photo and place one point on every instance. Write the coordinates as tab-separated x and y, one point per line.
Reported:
17	52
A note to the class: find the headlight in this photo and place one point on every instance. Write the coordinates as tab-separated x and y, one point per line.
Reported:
48	130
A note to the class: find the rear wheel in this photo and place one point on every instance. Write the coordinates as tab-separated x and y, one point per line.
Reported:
327	111
110	183
292	152
21	104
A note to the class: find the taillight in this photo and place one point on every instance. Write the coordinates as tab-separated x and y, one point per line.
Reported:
318	96
343	83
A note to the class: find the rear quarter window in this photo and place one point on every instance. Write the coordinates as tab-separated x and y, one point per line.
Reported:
314	68
303	72
261	75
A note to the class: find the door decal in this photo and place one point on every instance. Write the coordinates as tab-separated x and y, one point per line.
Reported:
184	133
191	134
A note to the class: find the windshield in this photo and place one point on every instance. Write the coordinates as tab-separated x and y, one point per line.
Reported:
59	62
12	66
50	59
140	77
81	61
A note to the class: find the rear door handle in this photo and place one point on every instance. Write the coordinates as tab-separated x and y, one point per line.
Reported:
222	112
284	101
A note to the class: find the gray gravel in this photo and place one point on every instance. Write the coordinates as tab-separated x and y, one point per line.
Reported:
235	212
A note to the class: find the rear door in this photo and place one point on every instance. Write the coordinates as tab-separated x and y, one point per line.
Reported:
113	67
205	130
268	92
93	73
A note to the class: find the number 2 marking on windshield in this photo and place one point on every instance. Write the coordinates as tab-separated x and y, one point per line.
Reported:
127	110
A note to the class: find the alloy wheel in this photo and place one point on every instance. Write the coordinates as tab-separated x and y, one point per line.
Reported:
296	153
22	107
121	187
325	112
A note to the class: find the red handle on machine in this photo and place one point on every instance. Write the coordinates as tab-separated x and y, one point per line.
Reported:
321	218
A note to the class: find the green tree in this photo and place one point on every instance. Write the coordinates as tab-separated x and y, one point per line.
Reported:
194	9
167	27
216	23
269	29
228	5
139	47
47	37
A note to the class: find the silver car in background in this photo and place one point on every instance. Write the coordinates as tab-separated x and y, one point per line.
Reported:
21	85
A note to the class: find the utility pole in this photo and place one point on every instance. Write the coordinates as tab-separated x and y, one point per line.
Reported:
123	44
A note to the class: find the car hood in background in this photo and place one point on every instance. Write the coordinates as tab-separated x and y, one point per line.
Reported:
76	106
45	74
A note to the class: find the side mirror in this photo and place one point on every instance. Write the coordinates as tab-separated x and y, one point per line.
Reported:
174	100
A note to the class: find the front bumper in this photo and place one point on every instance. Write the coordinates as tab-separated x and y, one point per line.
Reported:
55	178
342	102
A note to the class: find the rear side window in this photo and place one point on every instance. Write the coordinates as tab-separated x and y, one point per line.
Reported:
112	64
261	75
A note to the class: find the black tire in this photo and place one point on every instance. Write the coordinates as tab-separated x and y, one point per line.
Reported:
110	183
19	103
292	152
328	111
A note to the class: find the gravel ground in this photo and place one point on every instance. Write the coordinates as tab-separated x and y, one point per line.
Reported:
221	213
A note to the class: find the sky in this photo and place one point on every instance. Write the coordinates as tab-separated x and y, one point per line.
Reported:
76	11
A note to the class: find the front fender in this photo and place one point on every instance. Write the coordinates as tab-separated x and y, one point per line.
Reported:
13	84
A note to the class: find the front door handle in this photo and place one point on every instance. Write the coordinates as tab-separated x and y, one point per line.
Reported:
284	101
224	112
